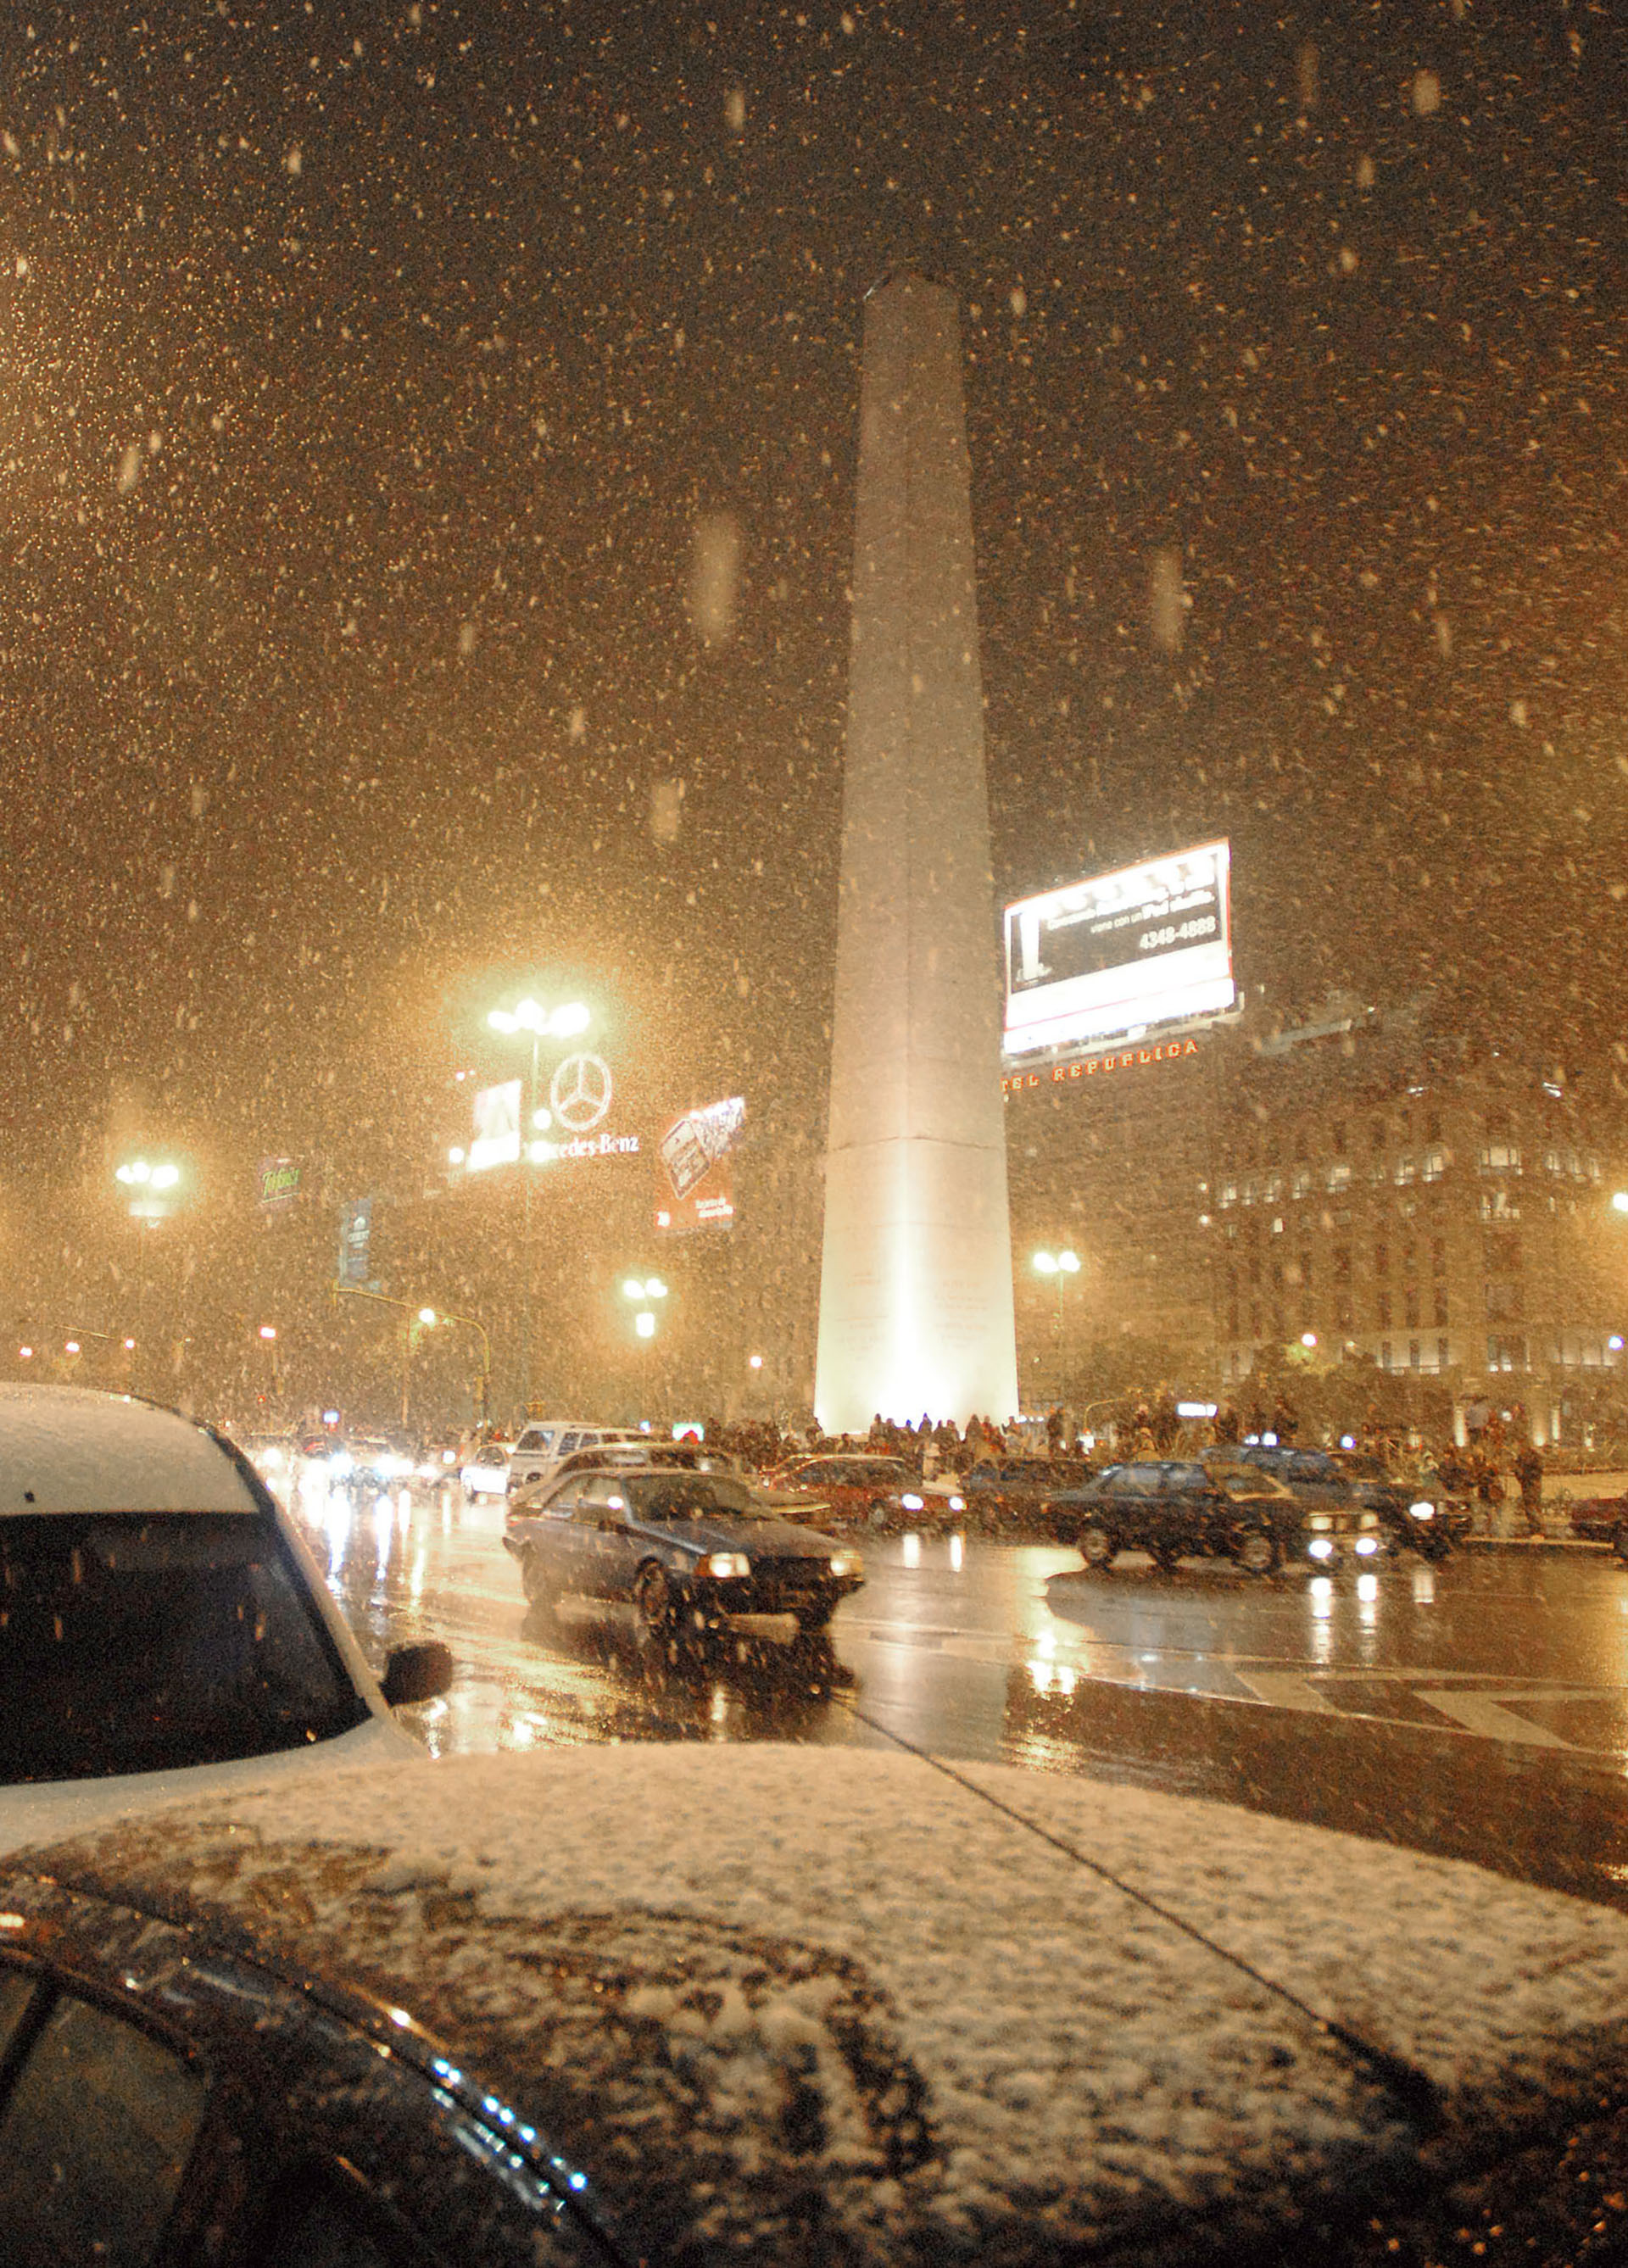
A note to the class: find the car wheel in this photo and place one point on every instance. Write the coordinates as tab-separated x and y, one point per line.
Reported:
1165	1557
1255	1551
877	1512
1097	1547
1437	1548
1619	1542
652	1606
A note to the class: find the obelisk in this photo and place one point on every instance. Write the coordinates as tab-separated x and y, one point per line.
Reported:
915	1286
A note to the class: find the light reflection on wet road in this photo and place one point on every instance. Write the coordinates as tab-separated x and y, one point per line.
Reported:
1478	1709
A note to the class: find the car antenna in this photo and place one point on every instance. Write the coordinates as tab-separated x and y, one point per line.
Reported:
1412	2086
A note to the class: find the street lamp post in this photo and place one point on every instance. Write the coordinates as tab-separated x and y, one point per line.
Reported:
562	1023
642	1293
1056	1265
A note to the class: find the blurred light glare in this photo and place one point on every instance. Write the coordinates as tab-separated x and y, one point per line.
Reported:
267	1331
426	1315
631	1288
644	1323
1619	1200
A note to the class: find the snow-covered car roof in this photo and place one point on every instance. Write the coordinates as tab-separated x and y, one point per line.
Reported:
776	1994
67	1448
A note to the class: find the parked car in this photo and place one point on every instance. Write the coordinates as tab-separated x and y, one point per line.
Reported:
855	1486
693	2003
1173	1510
624	1456
165	1630
544	1445
688	1554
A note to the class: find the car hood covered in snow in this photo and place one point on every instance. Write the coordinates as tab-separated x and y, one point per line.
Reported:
818	2004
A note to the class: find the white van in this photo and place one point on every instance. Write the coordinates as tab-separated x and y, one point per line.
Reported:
537	1453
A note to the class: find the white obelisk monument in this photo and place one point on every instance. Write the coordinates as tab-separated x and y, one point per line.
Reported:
915	1286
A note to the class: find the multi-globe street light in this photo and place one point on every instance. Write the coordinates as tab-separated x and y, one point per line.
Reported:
529	1019
1056	1265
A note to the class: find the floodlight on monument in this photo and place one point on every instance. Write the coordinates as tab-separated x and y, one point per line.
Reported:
1056	1263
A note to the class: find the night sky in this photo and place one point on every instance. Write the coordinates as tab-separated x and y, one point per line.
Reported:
367	371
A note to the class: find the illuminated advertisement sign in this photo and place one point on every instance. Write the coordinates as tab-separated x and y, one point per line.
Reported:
279	1185
356	1228
497	1127
695	1181
1151	944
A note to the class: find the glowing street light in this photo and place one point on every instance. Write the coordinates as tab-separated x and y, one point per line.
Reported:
1056	1265
563	1023
267	1331
537	1023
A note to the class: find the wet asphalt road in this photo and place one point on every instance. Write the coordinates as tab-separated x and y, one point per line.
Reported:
1477	1709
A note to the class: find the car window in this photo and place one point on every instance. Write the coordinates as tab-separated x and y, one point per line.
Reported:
596	1497
689	1496
319	2224
1133	1480
94	2138
533	1438
562	1503
152	1641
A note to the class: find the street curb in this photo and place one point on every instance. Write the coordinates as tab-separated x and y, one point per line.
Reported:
1531	1543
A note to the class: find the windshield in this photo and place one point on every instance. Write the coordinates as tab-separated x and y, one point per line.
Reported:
139	1643
690	1496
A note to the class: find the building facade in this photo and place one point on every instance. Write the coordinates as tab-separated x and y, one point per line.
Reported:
1357	1189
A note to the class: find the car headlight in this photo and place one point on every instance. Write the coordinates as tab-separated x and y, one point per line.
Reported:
727	1565
341	1463
1320	1547
1366	1545
844	1564
911	1502
1423	1510
958	1504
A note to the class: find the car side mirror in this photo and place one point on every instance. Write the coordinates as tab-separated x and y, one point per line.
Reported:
418	1672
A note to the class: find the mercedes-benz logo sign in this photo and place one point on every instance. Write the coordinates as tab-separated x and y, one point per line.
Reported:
580	1092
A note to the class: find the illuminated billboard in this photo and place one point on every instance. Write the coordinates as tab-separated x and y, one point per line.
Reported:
1151	944
695	1180
497	1127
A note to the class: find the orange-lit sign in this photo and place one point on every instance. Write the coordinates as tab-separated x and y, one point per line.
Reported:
1092	1066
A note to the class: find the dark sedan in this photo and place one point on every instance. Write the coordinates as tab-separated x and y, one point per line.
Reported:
1178	1511
1022	1488
1419	1519
691	1554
